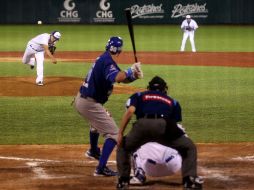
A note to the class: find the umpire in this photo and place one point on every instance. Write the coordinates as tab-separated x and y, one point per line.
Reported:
157	116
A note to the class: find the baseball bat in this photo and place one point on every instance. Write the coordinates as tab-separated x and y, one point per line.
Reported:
130	27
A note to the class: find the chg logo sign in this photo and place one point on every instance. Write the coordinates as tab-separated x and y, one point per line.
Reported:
69	14
104	14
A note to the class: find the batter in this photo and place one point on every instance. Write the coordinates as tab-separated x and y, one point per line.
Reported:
94	93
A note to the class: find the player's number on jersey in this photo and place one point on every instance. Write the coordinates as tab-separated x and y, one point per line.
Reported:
89	75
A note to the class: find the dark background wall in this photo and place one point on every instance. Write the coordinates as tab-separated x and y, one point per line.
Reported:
112	11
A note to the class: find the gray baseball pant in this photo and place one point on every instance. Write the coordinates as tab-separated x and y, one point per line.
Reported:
96	114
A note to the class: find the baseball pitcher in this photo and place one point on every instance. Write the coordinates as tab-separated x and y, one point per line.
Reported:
36	49
188	27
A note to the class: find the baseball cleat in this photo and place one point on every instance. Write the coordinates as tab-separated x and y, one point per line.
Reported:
123	183
31	66
190	183
135	181
40	83
122	186
139	177
93	155
104	172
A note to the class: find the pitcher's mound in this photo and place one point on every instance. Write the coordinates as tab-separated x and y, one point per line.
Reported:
53	86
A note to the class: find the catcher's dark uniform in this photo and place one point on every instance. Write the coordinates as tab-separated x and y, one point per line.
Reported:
157	116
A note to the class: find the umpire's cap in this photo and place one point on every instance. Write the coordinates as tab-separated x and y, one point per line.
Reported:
157	83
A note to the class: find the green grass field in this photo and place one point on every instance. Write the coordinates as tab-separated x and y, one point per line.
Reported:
148	38
217	102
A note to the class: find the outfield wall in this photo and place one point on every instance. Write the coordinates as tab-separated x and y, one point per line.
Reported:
112	11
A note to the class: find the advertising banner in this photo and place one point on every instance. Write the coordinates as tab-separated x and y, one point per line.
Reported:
69	12
112	11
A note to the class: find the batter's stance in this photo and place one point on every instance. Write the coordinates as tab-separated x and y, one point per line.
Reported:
156	160
189	27
157	116
94	92
35	50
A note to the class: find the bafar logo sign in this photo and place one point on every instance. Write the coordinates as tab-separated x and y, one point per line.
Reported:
147	11
104	14
69	14
196	10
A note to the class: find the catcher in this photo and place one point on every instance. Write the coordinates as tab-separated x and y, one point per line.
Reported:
36	49
156	160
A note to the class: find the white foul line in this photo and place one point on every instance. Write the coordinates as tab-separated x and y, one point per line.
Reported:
27	159
216	174
46	160
244	158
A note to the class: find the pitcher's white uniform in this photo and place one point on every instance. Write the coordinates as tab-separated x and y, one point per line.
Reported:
157	160
35	52
189	27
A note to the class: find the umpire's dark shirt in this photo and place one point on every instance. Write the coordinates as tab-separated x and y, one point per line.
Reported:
155	104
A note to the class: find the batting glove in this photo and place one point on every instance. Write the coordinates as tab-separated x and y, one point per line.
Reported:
137	70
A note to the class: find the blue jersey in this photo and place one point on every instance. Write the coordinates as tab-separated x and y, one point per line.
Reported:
155	103
100	79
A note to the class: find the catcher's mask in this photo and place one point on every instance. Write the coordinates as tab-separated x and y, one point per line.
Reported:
56	35
114	45
158	84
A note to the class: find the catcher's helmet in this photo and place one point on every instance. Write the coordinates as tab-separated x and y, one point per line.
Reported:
114	45
157	83
56	35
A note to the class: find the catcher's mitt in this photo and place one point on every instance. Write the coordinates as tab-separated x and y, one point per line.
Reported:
52	49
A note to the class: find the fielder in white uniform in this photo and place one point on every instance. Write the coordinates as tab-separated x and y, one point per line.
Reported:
189	27
154	160
35	50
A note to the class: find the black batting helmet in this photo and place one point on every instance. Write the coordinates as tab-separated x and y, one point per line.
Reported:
157	83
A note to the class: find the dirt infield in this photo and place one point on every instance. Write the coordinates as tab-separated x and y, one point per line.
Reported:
53	86
233	59
68	86
64	167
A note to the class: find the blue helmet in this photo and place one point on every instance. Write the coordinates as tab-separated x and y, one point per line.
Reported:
114	45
